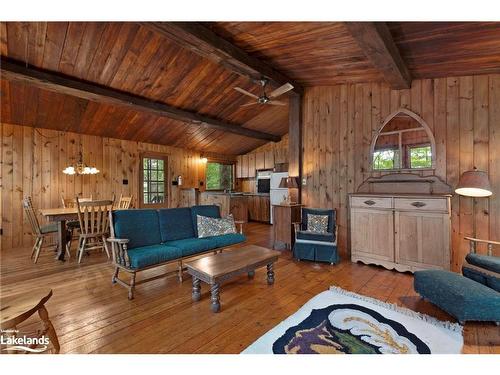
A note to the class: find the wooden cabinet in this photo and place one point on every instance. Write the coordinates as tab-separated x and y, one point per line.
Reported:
281	156
283	218
239	166
269	159
260	160
244	166
406	233
239	208
258	208
251	165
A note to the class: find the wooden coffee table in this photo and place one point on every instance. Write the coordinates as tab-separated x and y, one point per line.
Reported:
219	267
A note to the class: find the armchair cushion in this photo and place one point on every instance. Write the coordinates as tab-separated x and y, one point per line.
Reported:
145	256
490	263
315	236
141	227
176	224
204	210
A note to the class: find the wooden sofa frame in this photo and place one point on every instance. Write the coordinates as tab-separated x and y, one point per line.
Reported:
121	261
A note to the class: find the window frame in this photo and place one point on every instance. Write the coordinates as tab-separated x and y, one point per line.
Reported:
408	154
166	185
393	149
225	162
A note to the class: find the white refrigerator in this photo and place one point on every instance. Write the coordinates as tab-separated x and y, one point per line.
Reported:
276	194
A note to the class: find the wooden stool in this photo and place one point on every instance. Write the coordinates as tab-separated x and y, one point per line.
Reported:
18	308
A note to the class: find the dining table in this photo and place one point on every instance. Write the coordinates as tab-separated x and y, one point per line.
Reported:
60	216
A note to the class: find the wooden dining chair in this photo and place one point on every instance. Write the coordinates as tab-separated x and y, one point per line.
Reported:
94	225
71	202
40	232
123	203
73	225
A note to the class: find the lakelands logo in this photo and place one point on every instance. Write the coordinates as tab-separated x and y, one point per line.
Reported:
12	342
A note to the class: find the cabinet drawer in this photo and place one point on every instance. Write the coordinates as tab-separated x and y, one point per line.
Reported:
416	204
375	202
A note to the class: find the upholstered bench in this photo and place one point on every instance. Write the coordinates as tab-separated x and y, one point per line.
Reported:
459	296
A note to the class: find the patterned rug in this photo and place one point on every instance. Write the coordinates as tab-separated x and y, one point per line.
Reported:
342	322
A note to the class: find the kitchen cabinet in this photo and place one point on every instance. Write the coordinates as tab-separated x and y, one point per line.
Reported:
238	167
244	166
269	159
251	165
258	208
260	158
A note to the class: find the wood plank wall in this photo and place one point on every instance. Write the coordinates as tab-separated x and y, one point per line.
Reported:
464	115
32	160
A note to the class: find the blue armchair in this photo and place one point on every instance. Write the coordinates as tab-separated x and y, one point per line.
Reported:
316	246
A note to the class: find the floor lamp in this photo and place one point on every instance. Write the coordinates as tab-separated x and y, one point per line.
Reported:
474	184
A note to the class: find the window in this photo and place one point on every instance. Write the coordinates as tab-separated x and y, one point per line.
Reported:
420	156
385	159
219	176
153	184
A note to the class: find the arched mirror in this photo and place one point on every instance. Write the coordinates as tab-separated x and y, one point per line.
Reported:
404	141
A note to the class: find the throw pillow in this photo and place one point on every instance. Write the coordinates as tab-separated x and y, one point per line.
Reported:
317	223
211	226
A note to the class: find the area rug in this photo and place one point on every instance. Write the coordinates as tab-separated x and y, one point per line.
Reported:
341	322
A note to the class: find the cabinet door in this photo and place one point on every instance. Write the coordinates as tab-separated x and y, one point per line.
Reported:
372	233
251	165
252	214
265	209
260	160
238	167
244	166
269	159
422	239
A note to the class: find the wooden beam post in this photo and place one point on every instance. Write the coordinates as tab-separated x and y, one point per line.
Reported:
17	72
204	42
295	144
376	41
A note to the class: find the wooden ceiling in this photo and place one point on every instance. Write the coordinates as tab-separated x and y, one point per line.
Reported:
134	58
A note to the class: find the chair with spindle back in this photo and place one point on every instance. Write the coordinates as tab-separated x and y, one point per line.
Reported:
73	225
94	225
38	231
123	203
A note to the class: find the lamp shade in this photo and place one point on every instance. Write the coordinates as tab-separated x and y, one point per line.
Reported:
289	183
474	184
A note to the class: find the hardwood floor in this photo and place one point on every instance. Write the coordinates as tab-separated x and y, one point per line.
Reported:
93	316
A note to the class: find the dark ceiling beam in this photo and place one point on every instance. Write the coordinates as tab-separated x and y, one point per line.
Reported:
17	72
376	41
204	42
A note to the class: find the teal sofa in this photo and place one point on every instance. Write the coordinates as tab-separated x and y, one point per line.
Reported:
147	238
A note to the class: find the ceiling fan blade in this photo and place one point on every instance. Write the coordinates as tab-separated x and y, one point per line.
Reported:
245	92
281	90
275	102
249	104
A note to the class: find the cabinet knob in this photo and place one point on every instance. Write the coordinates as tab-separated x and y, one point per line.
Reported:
418	204
369	202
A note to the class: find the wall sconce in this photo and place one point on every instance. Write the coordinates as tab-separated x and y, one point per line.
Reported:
204	160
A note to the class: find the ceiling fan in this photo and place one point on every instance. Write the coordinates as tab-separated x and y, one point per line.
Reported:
264	98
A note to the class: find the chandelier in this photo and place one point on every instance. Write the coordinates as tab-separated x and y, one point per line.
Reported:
80	167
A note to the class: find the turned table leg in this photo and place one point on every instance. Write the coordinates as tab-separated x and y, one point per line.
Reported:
49	328
270	274
214	288
196	295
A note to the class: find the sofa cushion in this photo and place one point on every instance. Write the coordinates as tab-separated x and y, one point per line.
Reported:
228	239
314	236
191	246
140	227
204	210
490	263
461	297
145	256
176	224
